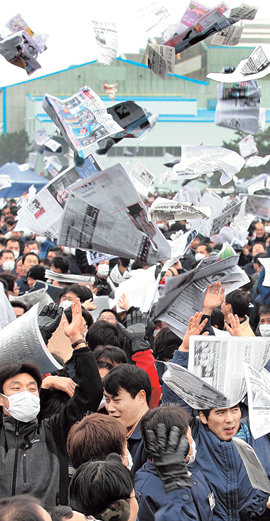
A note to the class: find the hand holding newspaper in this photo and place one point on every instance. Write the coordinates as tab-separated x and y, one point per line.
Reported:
215	375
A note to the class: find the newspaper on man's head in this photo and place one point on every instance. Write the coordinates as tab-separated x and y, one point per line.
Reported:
107	40
82	119
199	160
22	340
258	389
255	471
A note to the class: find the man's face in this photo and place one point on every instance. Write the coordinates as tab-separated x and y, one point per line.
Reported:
13	245
108	317
265	318
259	230
226	309
70	296
224	423
257	248
202	249
126	409
6	256
29	261
17	384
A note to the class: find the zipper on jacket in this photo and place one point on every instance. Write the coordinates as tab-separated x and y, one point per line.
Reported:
14	478
24	467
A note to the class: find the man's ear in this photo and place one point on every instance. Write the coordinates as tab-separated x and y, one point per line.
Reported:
229	308
142	395
203	418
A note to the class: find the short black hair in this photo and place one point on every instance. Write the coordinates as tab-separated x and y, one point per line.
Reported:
60	512
239	302
97	484
13	368
86	315
129	377
60	263
5	250
124	262
29	253
103	333
110	354
264	310
217	319
171	415
83	292
165	343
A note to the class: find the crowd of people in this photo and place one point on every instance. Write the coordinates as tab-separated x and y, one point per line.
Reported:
104	437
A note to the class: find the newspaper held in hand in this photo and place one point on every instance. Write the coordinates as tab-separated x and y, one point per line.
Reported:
215	375
258	389
82	119
161	60
189	288
247	146
22	340
107	41
142	179
199	160
258	205
255	471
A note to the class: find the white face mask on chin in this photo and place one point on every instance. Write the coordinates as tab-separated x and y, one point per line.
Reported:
23	406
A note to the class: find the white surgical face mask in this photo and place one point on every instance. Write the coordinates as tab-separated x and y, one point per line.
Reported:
199	256
23	406
264	329
192	456
35	251
103	270
8	265
16	254
267	229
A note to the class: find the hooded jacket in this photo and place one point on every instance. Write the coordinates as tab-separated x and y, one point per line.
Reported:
33	458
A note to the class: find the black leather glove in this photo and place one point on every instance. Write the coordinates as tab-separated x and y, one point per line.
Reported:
135	333
49	319
168	453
